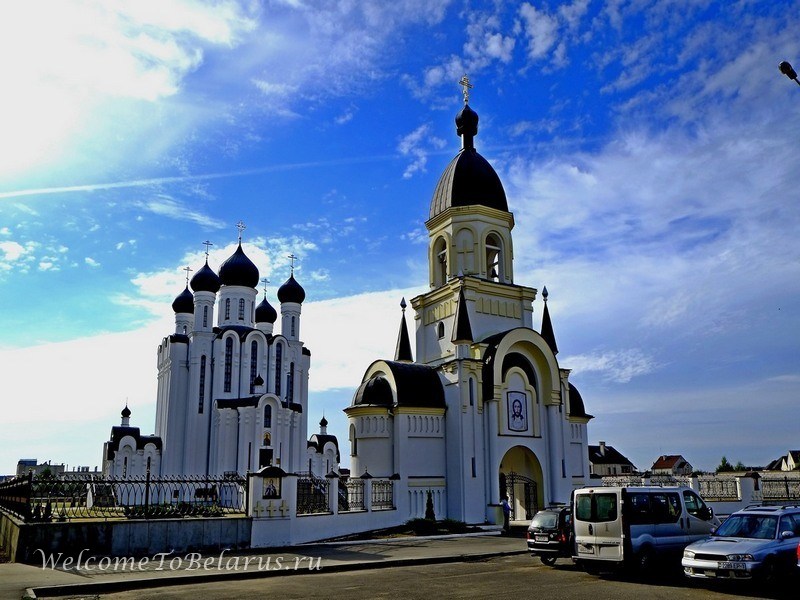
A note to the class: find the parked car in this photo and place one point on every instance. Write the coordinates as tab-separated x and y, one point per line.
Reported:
758	541
550	534
635	527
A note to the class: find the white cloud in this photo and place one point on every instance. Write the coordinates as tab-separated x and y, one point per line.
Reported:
91	262
418	144
166	206
619	366
11	250
541	30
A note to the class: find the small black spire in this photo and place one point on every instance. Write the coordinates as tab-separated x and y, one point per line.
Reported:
403	350
547	325
462	333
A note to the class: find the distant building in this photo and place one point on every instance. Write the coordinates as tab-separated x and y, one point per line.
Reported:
788	462
671	464
605	460
31	465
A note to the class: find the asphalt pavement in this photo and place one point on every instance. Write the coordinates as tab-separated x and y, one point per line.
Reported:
91	575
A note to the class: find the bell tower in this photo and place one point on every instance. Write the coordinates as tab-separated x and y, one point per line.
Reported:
470	251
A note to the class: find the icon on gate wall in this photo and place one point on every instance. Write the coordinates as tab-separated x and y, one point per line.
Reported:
272	487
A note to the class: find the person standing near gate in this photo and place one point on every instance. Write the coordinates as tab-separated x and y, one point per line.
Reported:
506	513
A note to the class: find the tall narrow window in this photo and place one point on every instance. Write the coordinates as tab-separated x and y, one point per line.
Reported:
278	368
201	394
493	264
124	467
241	309
228	364
440	263
205	316
253	365
227	308
267	416
293	327
353	441
290	383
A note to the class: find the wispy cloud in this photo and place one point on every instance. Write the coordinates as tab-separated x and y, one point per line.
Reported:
169	207
417	145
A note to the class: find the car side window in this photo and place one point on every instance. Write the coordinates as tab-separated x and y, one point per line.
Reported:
695	506
639	509
666	507
790	523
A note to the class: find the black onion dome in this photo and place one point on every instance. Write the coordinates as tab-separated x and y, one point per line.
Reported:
323	422
184	303
265	313
469	179
375	391
467	121
205	280
239	270
126	412
291	291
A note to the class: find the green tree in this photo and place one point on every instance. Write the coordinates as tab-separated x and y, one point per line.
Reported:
724	466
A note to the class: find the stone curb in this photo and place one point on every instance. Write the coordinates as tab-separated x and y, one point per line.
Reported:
108	587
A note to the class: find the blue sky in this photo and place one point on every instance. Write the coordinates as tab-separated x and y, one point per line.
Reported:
648	149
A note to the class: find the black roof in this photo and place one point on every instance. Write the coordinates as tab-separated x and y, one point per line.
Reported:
576	406
469	179
205	280
463	330
239	270
318	441
403	349
237	402
118	432
291	291
611	456
417	386
265	313
184	302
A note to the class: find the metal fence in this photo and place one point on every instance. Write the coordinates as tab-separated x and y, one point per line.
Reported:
355	494
382	494
780	489
312	495
90	497
718	488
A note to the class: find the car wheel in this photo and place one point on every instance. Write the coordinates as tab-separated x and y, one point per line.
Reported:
548	560
645	562
769	572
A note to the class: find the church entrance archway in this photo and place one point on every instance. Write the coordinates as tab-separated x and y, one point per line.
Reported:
521	480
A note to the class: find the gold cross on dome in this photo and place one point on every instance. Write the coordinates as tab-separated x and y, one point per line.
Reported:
292	258
466	87
188	270
265	281
241	227
207	244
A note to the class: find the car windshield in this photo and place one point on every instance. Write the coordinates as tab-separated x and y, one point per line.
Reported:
545	519
761	527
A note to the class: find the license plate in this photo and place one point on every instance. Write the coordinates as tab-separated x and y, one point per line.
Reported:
540	538
584	549
732	566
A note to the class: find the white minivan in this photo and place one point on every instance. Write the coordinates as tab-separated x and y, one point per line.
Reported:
635	526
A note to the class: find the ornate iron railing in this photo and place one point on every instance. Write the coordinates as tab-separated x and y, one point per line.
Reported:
91	497
312	495
718	488
382	494
780	489
355	494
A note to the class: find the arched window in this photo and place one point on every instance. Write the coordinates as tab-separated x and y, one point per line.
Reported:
293	327
227	308
278	368
353	441
440	263
267	415
205	316
125	467
290	383
201	394
253	364
494	267
440	330
471	391
184	330
228	364
241	309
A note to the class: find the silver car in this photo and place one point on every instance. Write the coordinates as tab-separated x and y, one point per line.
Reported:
755	542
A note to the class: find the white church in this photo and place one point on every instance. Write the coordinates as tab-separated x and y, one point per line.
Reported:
483	411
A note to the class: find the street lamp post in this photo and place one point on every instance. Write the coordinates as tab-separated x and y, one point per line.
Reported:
787	70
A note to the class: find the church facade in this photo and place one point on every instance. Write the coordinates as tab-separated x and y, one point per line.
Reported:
232	394
485	410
